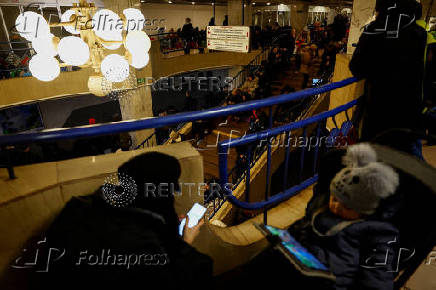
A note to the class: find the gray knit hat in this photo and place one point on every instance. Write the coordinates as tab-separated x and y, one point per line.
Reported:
364	181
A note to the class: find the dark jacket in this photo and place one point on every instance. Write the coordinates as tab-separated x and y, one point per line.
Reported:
90	230
187	31
354	253
393	69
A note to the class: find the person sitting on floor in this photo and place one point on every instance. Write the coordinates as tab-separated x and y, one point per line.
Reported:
349	232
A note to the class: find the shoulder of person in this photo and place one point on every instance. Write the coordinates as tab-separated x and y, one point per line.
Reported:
372	229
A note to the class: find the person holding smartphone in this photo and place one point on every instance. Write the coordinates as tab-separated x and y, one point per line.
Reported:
127	234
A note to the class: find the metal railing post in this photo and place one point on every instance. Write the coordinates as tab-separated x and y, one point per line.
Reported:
286	169
303	150
268	168
247	175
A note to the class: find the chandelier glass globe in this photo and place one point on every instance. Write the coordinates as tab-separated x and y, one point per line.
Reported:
140	60
66	17
135	19
107	25
73	50
45	46
44	68
137	42
115	68
31	25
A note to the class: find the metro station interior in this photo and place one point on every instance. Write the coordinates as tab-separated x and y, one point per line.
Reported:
209	144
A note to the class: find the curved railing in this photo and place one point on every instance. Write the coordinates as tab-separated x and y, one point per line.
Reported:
157	122
148	123
266	135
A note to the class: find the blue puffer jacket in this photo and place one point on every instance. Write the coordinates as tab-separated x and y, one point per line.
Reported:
362	255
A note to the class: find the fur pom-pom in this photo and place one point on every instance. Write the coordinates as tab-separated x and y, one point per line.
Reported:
382	179
359	155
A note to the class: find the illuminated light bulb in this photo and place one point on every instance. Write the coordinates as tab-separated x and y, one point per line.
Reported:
115	68
44	46
31	25
135	19
137	42
44	68
66	17
139	61
107	24
73	50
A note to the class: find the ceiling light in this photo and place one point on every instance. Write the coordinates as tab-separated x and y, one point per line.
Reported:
139	61
66	17
115	68
269	3
44	68
73	50
31	25
45	45
135	19
106	26
137	42
87	48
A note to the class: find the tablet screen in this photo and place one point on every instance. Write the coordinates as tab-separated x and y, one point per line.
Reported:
297	250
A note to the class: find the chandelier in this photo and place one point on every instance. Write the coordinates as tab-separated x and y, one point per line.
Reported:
108	43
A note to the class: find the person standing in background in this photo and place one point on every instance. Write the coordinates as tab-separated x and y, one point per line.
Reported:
212	21
392	62
226	20
306	61
187	34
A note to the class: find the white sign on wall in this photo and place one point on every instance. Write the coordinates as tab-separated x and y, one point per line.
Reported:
228	38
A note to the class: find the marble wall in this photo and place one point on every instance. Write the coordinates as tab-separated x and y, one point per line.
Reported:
299	13
234	10
363	11
137	104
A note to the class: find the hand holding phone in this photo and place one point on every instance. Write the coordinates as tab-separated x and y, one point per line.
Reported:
193	217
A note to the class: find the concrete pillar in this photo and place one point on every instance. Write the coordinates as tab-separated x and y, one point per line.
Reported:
299	13
363	11
138	103
234	10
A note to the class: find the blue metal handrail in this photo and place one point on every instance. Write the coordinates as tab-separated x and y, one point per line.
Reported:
157	122
224	146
